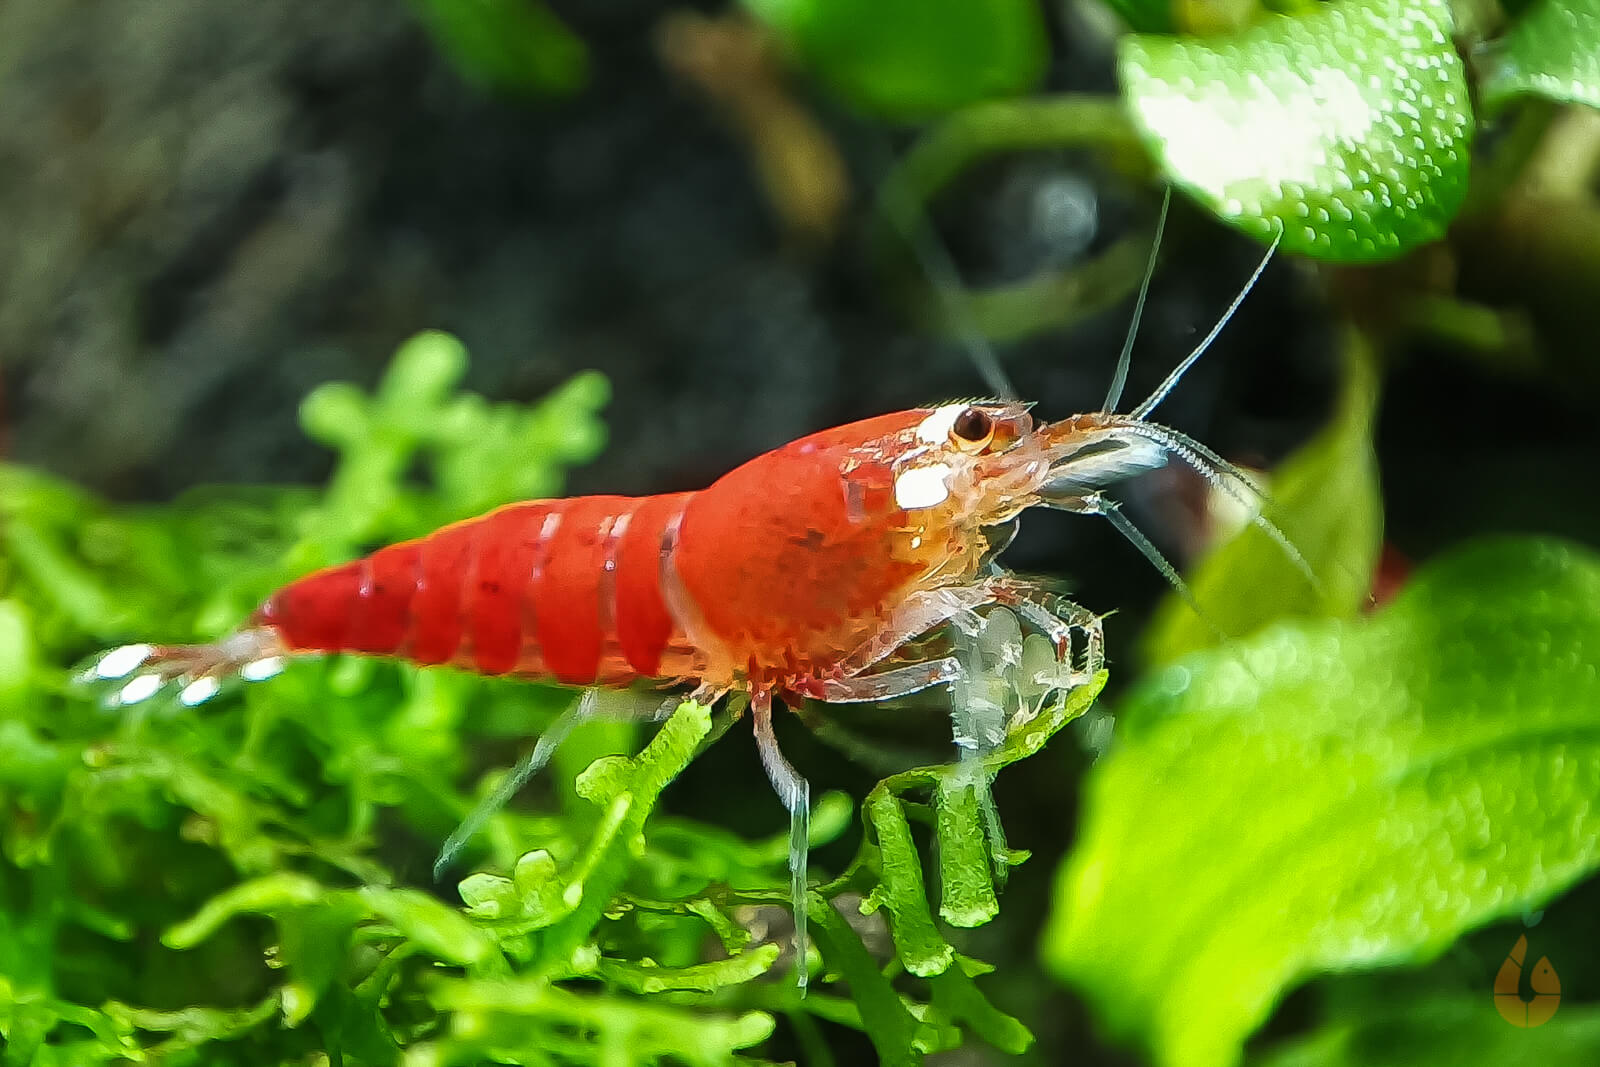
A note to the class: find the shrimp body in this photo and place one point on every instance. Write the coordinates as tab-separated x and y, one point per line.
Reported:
768	579
801	573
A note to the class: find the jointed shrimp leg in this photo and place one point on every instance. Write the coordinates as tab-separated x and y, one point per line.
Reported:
1111	511
513	782
795	792
917	614
882	685
1056	617
586	707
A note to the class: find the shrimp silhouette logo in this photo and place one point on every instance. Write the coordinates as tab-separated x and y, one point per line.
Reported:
1546	985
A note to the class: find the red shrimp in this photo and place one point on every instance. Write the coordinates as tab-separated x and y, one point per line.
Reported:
808	572
794	575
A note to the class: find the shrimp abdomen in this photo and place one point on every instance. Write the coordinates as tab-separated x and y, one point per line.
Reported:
562	589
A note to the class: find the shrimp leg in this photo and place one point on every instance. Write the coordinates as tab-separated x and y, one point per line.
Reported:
795	792
1056	617
884	685
513	782
915	616
588	706
1111	511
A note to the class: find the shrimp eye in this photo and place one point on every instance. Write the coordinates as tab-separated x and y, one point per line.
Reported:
972	430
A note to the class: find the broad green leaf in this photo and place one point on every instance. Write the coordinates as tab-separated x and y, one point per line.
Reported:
913	58
1326	500
1346	129
1337	795
1463	1032
18	655
1553	51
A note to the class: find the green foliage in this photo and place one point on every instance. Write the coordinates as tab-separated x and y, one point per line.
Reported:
1337	795
249	883
1145	16
1346	129
913	58
1455	1030
1345	126
512	46
1326	500
1553	52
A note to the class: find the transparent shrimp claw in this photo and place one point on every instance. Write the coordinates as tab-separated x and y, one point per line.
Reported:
1006	678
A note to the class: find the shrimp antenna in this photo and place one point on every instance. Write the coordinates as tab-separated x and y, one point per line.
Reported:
1227	478
1120	378
1178	372
1124	525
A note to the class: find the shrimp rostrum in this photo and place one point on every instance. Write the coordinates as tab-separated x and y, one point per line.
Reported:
809	572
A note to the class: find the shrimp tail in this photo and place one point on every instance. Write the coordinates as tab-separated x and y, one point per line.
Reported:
132	674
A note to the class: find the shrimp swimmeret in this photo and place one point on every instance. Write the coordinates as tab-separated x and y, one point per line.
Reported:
808	572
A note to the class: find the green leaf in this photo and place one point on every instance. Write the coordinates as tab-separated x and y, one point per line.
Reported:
1326	499
1463	1031
895	1033
1337	795
916	939
516	46
629	788
489	896
439	930
312	942
1346	128
1553	51
195	1025
272	895
956	996
538	1017
704	977
966	888
913	58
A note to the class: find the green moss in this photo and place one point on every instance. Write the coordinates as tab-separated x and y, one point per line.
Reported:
248	882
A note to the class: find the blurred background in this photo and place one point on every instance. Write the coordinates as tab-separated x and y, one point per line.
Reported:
758	222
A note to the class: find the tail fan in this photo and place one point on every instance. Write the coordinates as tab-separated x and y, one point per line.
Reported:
132	674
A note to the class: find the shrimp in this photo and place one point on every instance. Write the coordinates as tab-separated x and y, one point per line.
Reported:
809	572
